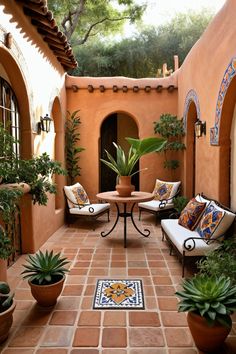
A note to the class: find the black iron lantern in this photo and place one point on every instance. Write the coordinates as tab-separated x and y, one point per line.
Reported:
44	124
200	128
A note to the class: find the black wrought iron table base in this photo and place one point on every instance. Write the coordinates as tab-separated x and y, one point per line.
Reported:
125	215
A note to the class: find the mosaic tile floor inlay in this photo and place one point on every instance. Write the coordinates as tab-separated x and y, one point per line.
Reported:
118	294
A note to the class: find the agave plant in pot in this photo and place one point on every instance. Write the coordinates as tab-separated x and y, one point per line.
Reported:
209	302
7	306
46	274
124	164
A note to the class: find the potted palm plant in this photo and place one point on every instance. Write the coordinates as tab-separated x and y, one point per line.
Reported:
46	274
209	302
124	164
7	306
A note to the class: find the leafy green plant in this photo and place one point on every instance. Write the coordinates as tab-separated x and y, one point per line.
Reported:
45	268
180	203
221	261
6	248
36	172
6	297
124	165
72	149
213	298
170	128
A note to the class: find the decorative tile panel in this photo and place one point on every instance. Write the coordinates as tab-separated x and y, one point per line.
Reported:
191	97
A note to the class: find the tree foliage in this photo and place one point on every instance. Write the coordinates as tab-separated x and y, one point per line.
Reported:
144	53
84	19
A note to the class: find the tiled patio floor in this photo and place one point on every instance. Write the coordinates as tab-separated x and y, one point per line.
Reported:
72	326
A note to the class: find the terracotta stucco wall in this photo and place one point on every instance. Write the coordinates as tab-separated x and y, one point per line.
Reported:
203	71
37	78
144	108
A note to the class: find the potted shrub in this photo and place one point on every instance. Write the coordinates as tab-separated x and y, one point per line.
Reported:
124	165
7	306
5	252
209	302
46	274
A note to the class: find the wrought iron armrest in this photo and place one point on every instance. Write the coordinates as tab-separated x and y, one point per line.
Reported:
192	245
174	215
163	202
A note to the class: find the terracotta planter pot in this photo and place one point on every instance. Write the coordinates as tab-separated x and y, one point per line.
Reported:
125	188
24	187
46	295
207	339
6	320
3	270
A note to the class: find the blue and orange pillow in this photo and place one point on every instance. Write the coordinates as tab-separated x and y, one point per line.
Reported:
191	214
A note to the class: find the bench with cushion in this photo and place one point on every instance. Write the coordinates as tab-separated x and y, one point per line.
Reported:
163	201
80	206
201	227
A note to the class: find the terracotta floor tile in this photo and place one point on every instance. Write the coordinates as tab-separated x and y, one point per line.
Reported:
63	318
100	264
72	290
167	303
148	290
164	290
86	337
114	351
137	264
68	303
183	351
23	294
156	264
150	303
84	257
146	337
84	351
114	318
178	337
119	272
174	319
138	272
52	351
90	289
24	304
37	316
18	351
144	319
161	280
78	271
87	302
75	279
26	337
56	336
90	318
148	351
117	264
82	264
114	337
98	271
118	257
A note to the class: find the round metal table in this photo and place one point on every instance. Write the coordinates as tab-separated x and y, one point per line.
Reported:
136	197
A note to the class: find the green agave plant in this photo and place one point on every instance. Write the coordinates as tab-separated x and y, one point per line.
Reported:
124	165
213	298
45	268
6	297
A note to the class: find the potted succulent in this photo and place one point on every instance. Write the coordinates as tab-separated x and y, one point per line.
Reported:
46	274
124	165
209	302
7	306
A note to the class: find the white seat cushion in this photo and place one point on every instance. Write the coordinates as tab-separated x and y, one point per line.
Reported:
178	234
155	205
98	208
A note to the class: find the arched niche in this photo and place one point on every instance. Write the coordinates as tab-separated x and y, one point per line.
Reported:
191	115
115	128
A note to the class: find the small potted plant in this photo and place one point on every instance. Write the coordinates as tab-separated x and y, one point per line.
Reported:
7	306
46	274
209	302
124	164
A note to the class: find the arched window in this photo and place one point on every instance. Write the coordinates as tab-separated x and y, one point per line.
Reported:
9	113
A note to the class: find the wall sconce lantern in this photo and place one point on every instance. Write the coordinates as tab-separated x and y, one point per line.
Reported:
44	124
200	128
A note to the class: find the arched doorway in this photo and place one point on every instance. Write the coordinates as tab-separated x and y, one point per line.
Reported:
190	152
227	143
115	128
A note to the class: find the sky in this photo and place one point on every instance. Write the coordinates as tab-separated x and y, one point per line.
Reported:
161	11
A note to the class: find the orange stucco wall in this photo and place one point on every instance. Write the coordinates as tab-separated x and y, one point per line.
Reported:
143	107
203	71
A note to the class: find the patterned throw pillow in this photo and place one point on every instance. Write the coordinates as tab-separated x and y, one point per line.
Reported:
210	221
76	195
191	214
165	190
